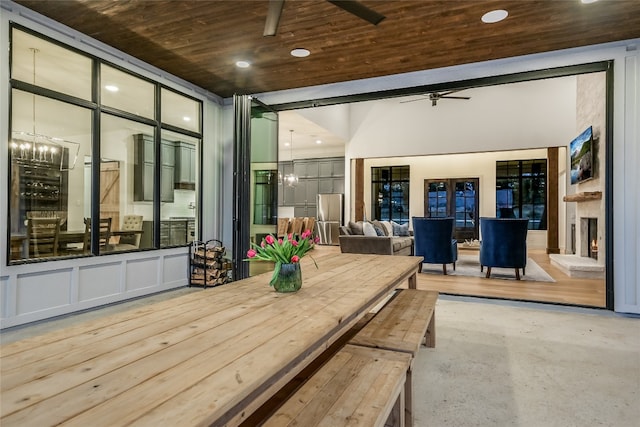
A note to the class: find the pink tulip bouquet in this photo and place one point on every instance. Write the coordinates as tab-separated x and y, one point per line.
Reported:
282	251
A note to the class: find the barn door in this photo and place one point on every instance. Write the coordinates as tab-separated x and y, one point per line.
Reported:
110	192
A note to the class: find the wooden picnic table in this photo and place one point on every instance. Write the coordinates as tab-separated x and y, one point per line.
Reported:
204	358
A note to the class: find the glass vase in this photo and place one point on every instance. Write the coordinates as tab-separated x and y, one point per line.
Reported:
288	278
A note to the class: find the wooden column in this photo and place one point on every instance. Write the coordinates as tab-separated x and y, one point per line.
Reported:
359	190
552	201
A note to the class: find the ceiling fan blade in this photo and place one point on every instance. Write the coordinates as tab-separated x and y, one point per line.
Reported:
456	97
359	10
414	100
273	17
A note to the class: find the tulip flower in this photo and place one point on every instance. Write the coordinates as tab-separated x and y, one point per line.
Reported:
295	258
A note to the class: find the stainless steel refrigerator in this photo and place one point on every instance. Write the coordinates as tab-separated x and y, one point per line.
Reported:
330	212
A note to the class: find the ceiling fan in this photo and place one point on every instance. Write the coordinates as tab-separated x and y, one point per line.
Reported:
353	7
434	97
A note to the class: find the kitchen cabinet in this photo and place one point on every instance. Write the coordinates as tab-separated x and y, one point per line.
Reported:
173	232
285	193
331	167
143	177
185	169
306	168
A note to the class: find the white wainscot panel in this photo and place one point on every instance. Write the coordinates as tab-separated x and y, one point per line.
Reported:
98	281
4	286
175	270
43	290
142	273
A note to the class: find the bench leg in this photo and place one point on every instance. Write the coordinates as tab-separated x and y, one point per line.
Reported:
408	400
488	272
430	336
397	415
517	274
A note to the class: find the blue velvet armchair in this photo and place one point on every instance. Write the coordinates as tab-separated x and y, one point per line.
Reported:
504	244
433	240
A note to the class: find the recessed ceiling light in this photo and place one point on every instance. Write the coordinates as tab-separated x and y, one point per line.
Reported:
243	64
186	118
111	88
300	52
494	16
318	141
588	1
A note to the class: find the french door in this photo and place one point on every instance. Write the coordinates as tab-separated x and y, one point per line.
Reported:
457	198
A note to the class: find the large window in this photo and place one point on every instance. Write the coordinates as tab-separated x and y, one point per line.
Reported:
521	191
390	193
96	175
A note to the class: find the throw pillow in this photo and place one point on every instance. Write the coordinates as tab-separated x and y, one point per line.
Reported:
400	229
388	229
368	229
356	227
379	226
379	231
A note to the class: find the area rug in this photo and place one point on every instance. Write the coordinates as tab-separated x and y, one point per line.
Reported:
469	265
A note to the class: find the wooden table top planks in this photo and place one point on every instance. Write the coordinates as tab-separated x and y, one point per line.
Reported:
205	358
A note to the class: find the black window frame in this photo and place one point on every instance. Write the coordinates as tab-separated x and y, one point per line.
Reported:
390	179
526	181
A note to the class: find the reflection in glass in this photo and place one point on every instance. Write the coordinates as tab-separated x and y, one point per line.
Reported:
45	64
126	92
180	111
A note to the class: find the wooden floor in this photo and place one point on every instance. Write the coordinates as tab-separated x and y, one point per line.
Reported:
565	290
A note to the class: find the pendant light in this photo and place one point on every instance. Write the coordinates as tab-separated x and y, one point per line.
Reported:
291	179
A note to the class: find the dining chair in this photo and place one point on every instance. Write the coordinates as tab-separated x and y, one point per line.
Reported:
129	241
309	223
283	227
105	235
43	237
295	226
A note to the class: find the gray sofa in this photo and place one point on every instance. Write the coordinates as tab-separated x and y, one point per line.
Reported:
379	245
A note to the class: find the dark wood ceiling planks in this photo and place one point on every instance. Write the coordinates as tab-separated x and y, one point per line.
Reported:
200	41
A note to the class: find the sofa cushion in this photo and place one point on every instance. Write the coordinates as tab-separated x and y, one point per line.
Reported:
379	232
401	243
368	229
356	228
400	229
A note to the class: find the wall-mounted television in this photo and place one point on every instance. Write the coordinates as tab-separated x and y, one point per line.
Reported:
581	154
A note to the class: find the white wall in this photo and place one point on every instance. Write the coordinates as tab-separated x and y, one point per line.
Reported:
472	165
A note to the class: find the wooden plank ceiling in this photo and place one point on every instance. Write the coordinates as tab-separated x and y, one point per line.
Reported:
200	41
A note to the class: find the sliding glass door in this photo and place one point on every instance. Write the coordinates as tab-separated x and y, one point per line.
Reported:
255	180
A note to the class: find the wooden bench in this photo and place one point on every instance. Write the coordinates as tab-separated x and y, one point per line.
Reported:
403	324
357	386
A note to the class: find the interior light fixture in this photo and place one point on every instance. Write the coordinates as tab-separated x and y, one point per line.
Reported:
318	141
291	179
300	52
112	88
494	16
243	64
186	118
588	1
